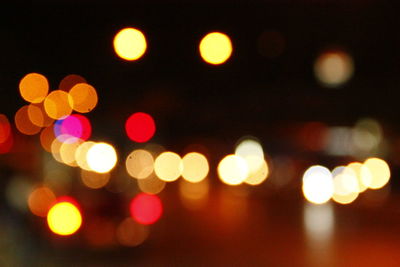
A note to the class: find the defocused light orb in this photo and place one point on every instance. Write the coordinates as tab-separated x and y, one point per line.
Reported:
68	150
250	148
215	48
94	180
130	44
101	157
233	170
70	81
139	164
140	127
73	127
333	68
377	171
47	137
84	97
257	173
38	116
356	167
130	233
317	184
41	200
151	185
168	166
5	128
367	135
195	167
34	87
81	155
345	185
58	104
146	209
23	123
64	218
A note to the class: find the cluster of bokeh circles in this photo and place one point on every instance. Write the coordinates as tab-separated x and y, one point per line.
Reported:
60	119
344	183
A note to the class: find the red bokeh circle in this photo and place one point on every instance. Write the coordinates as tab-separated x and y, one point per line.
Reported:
146	208
140	127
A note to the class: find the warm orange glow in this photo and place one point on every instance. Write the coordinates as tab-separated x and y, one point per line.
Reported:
40	201
194	195
130	44
58	104
130	233
84	97
139	164
195	167
215	48
168	166
38	115
233	170
47	137
24	124
64	218
151	185
94	180
34	87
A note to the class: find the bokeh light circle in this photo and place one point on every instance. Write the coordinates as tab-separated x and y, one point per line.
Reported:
34	87
140	127
215	48
233	170
318	184
64	218
101	157
130	44
146	208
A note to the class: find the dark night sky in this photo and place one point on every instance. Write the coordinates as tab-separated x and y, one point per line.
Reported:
188	97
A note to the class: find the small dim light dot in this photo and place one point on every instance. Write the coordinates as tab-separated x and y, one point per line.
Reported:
101	157
94	180
376	171
168	166
140	127
195	167
215	48
58	104
130	44
146	209
64	218
317	184
151	185
140	164
233	170
34	87
333	68
84	97
130	233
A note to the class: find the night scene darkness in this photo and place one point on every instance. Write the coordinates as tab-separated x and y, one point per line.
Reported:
202	133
